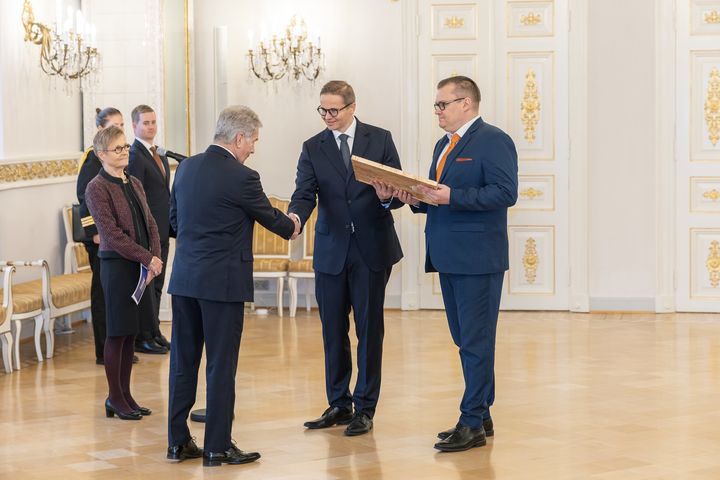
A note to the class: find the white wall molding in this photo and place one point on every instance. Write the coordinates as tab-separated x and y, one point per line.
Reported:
665	88
578	164
410	156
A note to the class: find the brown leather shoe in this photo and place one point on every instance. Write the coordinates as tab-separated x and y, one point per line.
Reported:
487	426
464	438
331	417
183	452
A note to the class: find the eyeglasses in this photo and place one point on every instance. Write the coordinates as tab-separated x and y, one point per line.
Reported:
119	149
440	106
332	111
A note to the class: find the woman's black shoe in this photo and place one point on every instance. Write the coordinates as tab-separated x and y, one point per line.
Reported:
110	411
143	411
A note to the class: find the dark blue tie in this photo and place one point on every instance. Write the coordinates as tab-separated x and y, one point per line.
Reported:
345	150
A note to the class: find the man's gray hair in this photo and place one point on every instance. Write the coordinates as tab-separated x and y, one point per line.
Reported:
236	119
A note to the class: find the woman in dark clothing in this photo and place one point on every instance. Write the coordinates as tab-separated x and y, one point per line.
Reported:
128	239
89	167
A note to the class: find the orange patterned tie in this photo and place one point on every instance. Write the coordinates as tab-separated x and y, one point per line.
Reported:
158	160
453	141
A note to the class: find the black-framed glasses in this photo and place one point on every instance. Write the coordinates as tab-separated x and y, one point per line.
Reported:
119	149
440	106
332	111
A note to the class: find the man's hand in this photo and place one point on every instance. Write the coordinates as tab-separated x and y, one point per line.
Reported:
406	197
96	239
441	196
156	266
383	191
296	220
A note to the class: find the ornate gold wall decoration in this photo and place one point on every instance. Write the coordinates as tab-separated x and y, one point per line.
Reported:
454	22
713	195
712	107
530	106
712	17
532	193
16	172
713	263
531	19
531	260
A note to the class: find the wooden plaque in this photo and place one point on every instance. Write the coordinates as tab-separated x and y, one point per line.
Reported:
366	171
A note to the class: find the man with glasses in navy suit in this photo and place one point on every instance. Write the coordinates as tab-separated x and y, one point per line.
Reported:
476	167
355	249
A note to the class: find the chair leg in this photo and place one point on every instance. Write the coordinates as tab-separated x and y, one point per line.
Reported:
16	340
6	342
308	298
280	284
39	321
50	337
292	288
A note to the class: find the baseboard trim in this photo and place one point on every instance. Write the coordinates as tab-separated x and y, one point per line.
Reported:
622	304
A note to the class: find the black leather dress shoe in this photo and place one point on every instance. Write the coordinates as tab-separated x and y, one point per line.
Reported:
463	438
487	426
183	452
359	425
162	341
143	411
110	410
231	456
331	417
149	346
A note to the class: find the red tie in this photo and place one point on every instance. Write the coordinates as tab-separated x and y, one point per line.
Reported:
158	160
453	141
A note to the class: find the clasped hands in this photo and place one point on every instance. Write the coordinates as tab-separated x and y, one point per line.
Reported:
298	226
154	269
441	196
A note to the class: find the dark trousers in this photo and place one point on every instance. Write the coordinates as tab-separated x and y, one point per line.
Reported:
217	325
150	325
472	303
97	301
362	289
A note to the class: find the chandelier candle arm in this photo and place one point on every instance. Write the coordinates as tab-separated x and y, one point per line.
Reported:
65	51
291	54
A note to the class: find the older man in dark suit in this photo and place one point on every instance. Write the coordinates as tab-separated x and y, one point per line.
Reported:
355	249
476	166
214	204
153	171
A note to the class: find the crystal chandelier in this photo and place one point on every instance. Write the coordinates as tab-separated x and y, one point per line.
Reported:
291	54
68	50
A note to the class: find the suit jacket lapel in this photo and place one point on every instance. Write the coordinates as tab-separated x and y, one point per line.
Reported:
360	144
148	156
450	160
436	155
329	147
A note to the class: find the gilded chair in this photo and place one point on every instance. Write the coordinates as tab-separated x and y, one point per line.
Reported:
6	310
271	254
76	257
303	269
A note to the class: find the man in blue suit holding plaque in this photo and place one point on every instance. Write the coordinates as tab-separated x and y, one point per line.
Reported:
475	165
355	249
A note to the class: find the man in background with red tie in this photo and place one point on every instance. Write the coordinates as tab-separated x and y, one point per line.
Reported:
475	164
154	173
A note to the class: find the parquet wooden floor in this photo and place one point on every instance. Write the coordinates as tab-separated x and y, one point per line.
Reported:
578	397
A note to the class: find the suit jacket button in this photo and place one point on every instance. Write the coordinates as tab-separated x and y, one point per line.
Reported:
349	202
